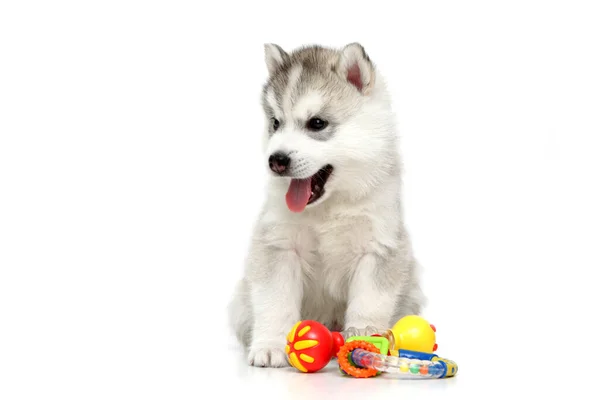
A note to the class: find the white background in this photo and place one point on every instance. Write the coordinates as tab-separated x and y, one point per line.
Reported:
131	175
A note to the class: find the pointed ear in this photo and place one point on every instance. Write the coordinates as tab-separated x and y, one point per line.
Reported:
355	66
275	56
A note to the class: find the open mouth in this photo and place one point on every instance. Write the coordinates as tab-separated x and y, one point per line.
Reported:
317	183
303	192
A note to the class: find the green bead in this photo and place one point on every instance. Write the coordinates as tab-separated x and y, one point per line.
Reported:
414	368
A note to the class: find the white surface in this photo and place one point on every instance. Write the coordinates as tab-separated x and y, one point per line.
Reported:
130	176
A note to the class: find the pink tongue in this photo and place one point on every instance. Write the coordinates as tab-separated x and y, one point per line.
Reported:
298	194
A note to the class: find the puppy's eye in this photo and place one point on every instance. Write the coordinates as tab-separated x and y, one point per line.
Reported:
275	123
316	124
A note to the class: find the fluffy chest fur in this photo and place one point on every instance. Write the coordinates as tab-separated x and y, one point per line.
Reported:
341	243
331	241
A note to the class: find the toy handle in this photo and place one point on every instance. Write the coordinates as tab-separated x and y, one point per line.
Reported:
435	368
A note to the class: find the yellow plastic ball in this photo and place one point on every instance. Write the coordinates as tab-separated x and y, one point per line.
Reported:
414	333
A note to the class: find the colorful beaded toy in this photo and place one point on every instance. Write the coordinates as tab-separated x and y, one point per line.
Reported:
405	350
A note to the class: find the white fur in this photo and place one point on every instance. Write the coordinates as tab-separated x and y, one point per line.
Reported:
290	91
271	99
307	106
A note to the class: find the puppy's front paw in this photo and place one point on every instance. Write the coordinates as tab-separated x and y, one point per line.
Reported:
267	356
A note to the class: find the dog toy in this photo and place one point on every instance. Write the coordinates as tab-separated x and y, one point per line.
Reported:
310	345
406	350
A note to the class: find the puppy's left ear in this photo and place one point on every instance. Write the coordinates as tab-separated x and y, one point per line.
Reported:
275	57
356	67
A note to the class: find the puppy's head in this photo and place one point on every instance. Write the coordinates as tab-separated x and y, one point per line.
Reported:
328	123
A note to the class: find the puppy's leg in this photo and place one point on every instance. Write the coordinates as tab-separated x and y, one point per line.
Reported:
240	313
276	296
371	295
410	301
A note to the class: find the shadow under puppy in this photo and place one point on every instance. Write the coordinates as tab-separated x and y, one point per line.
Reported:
330	243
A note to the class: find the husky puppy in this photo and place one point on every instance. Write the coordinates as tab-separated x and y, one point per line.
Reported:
330	243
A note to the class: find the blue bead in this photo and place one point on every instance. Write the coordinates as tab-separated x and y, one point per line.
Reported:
435	369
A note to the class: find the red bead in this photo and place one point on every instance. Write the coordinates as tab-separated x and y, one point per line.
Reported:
338	342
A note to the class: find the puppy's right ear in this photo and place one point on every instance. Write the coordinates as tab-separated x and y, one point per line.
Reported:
356	67
275	56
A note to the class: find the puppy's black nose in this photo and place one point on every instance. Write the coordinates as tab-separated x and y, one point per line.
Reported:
278	162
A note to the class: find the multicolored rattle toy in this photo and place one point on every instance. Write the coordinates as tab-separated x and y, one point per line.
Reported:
405	350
